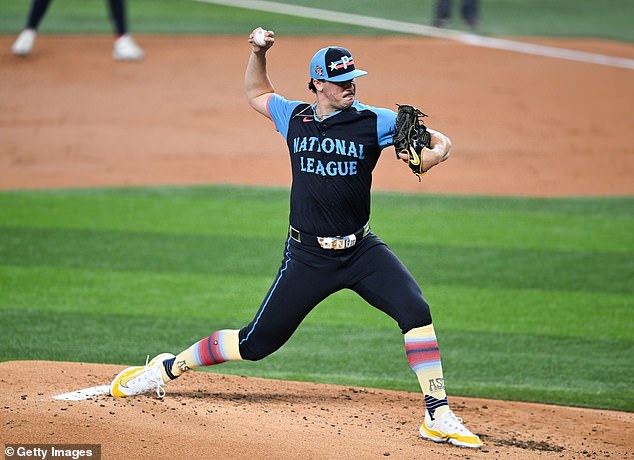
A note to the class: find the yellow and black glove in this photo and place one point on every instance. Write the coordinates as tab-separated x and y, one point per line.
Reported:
411	137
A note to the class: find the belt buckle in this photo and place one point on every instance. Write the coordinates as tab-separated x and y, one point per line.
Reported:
337	243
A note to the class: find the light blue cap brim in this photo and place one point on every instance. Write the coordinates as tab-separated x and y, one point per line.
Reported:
346	76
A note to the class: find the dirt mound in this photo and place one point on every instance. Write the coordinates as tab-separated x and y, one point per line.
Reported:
520	124
207	415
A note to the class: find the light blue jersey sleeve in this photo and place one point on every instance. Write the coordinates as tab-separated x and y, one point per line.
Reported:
280	110
385	123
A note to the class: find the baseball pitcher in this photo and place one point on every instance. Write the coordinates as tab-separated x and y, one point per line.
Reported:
334	143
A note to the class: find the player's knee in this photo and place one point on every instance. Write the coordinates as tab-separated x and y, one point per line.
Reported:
258	343
417	316
252	350
252	355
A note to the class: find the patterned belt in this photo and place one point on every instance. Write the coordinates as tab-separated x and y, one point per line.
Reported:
330	242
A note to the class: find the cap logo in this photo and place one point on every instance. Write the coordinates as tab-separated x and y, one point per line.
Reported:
342	63
319	71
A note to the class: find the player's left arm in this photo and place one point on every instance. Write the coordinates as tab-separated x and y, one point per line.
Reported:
439	151
440	145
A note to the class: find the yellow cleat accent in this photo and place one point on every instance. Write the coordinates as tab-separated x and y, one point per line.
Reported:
140	379
449	428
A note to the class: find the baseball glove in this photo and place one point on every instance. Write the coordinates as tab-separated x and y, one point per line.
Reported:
411	137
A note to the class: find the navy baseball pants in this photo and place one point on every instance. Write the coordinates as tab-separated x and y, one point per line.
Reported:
308	275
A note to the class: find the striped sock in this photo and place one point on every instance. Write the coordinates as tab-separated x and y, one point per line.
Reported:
423	356
219	347
432	404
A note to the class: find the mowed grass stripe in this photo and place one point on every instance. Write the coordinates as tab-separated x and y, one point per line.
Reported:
130	251
532	311
222	298
212	298
229	211
586	206
586	224
493	267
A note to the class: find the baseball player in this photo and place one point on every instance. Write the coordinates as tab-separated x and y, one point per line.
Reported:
334	144
125	47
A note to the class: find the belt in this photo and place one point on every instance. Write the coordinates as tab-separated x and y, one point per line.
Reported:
330	242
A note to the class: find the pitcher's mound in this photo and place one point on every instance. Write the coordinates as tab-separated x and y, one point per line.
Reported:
207	415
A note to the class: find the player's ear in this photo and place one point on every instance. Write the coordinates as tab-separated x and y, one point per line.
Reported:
318	84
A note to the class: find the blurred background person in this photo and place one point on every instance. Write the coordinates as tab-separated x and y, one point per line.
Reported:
469	12
124	48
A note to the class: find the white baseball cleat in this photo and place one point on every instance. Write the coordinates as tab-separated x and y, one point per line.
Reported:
126	49
141	379
24	43
448	428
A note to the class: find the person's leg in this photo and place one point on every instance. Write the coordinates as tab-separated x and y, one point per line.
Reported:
423	356
296	289
219	347
36	13
118	16
387	284
443	13
25	41
299	285
470	12
294	293
125	48
306	277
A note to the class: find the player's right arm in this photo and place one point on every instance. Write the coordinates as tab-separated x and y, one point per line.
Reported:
257	85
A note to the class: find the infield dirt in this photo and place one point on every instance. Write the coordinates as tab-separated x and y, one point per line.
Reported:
521	125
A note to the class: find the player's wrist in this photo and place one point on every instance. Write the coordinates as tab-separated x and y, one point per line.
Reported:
258	51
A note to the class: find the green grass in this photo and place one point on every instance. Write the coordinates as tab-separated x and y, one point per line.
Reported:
562	18
532	298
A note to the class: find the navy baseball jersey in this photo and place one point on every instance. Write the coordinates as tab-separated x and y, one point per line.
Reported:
332	162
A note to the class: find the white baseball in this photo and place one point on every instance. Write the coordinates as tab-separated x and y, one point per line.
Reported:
258	37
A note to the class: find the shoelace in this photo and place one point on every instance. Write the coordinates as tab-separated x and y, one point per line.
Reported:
160	391
456	421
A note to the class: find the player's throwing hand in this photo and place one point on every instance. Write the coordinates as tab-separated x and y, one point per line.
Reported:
261	39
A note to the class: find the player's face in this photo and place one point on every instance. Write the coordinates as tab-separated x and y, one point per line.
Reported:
340	94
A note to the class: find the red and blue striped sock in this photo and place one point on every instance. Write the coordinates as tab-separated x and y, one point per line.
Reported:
423	356
219	347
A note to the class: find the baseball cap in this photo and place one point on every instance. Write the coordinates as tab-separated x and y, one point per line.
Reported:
334	63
